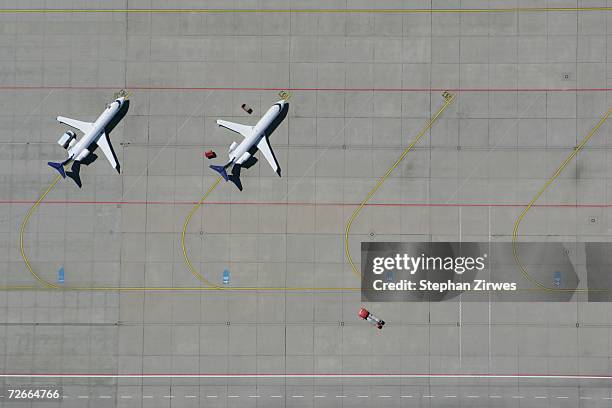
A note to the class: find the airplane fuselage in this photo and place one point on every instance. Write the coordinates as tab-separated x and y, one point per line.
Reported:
79	150
239	154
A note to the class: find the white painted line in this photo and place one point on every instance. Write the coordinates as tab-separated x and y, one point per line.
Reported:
190	396
363	396
83	396
147	396
211	396
450	396
405	396
104	396
297	396
494	396
319	396
126	396
373	375
540	397
276	396
168	396
233	396
606	398
562	397
429	396
473	396
253	396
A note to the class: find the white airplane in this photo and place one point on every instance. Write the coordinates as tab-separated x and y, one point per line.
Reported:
254	137
92	133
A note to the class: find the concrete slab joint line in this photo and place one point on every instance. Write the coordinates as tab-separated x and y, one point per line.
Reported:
305	10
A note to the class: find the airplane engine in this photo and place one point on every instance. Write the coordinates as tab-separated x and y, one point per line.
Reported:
67	139
233	146
82	155
246	156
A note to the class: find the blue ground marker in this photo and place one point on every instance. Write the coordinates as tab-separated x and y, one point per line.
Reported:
557	279
226	277
60	275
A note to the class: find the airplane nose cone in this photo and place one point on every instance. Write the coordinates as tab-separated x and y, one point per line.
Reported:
279	106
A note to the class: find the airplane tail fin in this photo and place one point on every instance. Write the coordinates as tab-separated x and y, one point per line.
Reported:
221	171
59	167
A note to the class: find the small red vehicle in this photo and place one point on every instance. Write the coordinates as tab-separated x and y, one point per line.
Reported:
366	315
210	154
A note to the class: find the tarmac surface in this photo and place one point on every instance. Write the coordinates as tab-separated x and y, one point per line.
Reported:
528	85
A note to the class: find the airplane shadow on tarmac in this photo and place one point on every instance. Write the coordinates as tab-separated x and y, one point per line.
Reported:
235	176
75	169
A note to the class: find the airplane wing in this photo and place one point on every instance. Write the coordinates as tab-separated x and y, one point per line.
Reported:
77	124
244	130
264	148
104	145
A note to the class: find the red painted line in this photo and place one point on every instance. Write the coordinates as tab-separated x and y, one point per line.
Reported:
306	204
331	89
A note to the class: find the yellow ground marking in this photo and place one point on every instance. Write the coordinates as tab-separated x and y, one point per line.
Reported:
187	289
19	287
46	285
188	263
174	289
24	224
535	198
313	11
448	99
